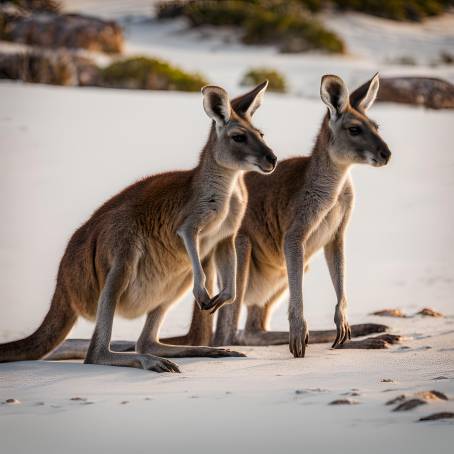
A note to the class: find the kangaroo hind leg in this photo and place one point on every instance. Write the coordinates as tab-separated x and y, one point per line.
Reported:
149	341
99	351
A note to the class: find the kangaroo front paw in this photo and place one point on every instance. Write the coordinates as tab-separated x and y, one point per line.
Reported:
218	301
201	297
343	328
299	338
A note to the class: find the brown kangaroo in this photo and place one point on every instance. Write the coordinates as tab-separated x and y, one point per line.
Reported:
140	251
308	200
306	207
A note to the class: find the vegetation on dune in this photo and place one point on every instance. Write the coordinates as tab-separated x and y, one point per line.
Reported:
401	10
67	68
266	21
276	81
285	23
51	6
150	74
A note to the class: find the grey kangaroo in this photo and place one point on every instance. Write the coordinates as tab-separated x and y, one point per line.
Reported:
140	251
306	205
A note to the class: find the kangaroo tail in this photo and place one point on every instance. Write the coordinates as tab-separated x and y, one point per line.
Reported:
52	331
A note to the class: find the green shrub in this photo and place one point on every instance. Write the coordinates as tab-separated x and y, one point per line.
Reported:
285	23
36	5
402	10
276	81
149	74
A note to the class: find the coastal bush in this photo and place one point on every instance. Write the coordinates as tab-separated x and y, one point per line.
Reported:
150	74
401	10
287	24
276	81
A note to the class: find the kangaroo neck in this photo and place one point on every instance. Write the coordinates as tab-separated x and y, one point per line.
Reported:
213	178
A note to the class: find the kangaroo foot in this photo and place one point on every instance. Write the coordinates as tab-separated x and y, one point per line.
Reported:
139	361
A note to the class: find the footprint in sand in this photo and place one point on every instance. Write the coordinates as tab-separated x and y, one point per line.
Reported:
407	403
12	401
344	402
410	404
438	416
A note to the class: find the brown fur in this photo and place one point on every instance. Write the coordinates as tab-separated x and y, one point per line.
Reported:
133	256
306	206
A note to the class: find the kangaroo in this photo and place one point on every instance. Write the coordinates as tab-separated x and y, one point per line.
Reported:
140	251
306	206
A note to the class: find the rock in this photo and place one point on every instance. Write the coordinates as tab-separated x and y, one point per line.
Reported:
428	312
390	313
55	68
437	416
53	30
410	404
422	91
343	402
124	402
79	399
12	401
387	380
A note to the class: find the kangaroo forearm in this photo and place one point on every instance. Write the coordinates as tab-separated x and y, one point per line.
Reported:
226	266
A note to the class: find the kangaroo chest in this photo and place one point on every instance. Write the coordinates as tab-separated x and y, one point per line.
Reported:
325	230
227	220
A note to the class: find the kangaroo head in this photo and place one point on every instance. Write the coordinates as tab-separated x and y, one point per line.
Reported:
355	137
239	145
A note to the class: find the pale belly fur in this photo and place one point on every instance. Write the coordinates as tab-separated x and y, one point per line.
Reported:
264	285
154	286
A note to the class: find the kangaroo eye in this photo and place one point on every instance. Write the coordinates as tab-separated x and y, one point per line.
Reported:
354	130
240	138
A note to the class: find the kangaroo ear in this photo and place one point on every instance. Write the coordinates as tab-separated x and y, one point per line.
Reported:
216	104
363	97
248	103
334	94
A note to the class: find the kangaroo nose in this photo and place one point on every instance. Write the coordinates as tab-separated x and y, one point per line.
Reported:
385	155
272	159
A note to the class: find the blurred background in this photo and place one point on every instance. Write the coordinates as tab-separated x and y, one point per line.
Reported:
95	94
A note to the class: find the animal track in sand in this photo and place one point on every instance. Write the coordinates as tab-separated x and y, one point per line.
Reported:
390	313
419	398
344	402
12	401
398	313
438	416
310	391
410	404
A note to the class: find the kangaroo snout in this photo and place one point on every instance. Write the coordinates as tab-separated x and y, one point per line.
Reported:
270	160
384	154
